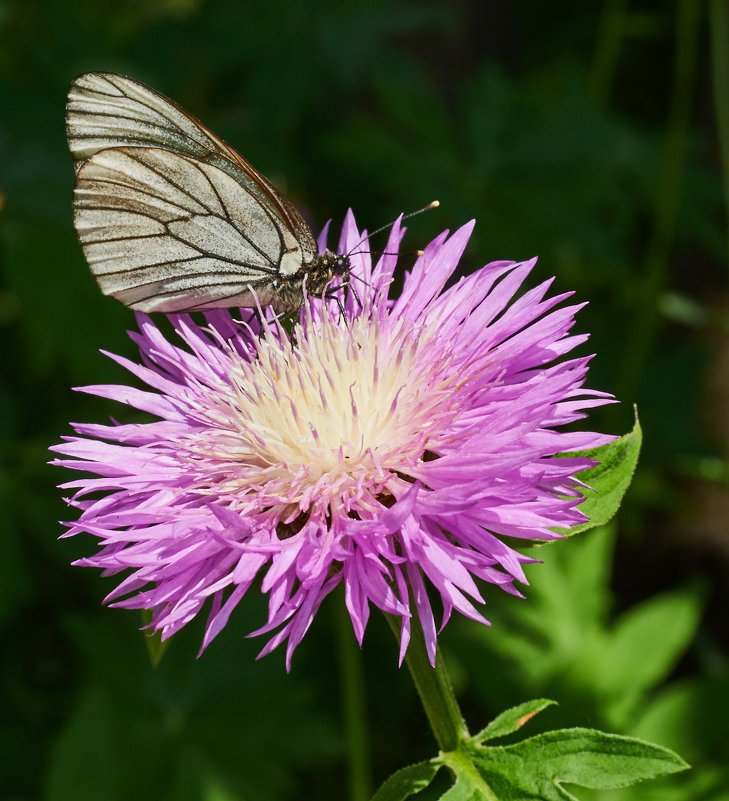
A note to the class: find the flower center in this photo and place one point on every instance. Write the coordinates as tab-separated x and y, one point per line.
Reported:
335	420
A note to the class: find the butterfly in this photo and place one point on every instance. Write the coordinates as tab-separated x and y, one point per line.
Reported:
170	218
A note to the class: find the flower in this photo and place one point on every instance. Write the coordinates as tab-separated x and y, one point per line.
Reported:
385	449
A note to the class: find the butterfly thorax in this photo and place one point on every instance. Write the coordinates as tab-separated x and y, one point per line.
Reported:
314	277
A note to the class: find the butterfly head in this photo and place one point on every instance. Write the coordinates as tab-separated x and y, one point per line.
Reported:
324	269
340	266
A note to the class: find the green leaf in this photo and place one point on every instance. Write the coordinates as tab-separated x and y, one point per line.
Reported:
559	632
690	716
644	645
536	768
608	480
512	719
408	781
466	790
82	764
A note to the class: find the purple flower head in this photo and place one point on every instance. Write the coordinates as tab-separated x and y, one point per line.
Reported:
386	451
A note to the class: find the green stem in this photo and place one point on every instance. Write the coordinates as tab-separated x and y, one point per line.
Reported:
719	30
355	712
611	33
434	688
667	201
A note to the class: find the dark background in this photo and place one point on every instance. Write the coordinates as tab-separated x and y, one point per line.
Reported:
583	132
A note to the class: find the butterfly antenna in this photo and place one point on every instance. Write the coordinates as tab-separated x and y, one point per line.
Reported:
432	205
348	284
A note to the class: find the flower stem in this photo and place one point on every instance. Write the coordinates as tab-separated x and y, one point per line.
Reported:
719	30
353	703
434	688
668	197
610	37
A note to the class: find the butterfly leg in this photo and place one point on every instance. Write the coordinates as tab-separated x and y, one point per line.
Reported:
333	294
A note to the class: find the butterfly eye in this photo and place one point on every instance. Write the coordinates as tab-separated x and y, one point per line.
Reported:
341	265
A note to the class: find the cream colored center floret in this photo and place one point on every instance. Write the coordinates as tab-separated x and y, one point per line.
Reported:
346	404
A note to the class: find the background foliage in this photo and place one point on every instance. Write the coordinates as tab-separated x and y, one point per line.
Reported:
585	133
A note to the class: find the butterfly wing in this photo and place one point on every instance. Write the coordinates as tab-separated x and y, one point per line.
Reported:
108	111
164	232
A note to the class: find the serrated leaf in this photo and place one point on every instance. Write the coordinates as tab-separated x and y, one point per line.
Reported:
407	781
536	768
512	719
608	480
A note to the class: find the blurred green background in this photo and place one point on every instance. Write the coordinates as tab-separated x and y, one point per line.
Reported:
591	134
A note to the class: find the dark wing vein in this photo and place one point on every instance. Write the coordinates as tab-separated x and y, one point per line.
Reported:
202	254
214	189
131	152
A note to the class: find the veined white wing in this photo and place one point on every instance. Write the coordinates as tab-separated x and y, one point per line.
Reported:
171	218
106	110
163	232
